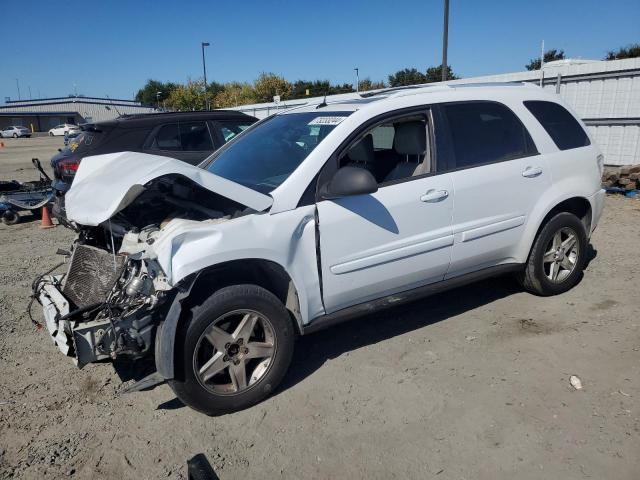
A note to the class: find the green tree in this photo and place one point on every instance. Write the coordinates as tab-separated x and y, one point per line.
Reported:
549	56
147	94
268	85
189	97
630	51
234	94
344	88
366	84
316	88
434	74
407	76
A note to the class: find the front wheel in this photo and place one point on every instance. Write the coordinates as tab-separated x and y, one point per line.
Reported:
558	256
233	350
51	134
10	217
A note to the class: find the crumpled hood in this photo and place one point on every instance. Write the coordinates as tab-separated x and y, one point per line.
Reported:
106	184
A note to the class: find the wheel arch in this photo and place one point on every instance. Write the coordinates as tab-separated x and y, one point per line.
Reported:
575	204
195	288
579	206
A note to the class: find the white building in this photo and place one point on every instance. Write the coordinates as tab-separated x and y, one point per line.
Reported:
43	114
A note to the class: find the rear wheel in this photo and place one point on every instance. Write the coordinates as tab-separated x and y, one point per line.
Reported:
557	257
51	134
236	348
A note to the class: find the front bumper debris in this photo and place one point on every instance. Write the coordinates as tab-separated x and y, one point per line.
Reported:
77	340
54	306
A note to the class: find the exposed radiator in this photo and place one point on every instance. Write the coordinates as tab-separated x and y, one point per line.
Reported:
91	275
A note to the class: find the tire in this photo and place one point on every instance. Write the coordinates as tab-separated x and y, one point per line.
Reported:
552	267
51	134
15	135
221	393
10	217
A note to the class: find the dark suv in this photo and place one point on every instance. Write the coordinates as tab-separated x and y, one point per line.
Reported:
186	136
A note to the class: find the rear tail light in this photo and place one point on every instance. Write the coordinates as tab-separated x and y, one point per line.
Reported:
68	168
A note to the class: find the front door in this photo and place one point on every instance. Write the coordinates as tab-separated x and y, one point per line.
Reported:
397	238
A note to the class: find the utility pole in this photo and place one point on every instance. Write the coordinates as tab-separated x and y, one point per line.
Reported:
445	40
30	92
204	69
542	64
357	79
18	85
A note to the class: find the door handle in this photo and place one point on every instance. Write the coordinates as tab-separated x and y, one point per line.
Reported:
531	172
434	195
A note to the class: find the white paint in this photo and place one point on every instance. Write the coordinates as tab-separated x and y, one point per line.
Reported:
371	245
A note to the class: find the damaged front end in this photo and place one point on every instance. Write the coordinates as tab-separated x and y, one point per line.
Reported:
106	305
116	290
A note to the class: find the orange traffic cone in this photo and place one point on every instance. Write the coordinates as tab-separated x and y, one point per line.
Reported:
46	219
1	144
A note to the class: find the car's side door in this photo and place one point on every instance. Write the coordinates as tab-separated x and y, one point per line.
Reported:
397	238
498	176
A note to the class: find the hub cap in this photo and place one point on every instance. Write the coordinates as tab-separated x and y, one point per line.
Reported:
561	255
234	352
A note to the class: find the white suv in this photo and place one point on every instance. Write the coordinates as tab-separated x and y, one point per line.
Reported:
314	216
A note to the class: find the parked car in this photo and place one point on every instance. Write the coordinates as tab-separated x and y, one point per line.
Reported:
60	130
315	216
187	136
15	132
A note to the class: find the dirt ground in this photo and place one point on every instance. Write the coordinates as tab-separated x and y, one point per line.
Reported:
470	384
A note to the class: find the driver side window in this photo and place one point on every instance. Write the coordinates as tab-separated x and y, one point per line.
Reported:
392	150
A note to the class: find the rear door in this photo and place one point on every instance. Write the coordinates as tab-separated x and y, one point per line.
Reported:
189	141
498	176
393	240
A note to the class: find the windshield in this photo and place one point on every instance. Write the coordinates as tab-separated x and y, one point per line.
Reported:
264	156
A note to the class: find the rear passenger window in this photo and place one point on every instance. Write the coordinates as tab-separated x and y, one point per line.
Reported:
188	137
486	132
562	127
194	137
168	137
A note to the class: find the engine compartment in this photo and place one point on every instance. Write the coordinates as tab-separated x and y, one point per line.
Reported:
115	287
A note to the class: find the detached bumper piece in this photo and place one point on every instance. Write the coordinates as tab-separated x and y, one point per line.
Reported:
79	340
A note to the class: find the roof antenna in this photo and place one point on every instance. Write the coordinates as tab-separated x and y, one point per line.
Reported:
113	105
324	101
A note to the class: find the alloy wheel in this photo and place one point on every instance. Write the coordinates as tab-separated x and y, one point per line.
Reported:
561	255
234	352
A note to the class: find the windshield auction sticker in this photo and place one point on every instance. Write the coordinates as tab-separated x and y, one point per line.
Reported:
326	120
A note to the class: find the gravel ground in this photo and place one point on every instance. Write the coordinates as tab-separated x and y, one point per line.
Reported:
470	384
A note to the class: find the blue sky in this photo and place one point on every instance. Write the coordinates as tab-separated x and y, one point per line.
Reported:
113	47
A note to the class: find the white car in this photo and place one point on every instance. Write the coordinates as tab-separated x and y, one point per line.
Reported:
15	132
314	216
60	130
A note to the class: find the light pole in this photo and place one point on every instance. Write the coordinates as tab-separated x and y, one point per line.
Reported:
158	99
357	79
445	40
204	69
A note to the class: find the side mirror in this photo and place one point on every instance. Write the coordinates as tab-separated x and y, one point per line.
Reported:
348	181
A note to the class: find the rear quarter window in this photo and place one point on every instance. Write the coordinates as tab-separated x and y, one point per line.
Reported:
562	127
